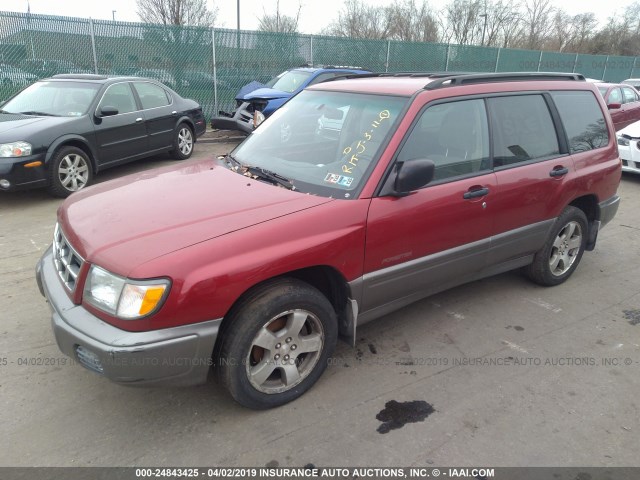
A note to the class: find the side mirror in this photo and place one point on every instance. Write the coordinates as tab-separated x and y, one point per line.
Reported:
412	175
108	111
614	106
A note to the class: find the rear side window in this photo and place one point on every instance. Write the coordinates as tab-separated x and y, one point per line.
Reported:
523	129
629	94
582	119
151	96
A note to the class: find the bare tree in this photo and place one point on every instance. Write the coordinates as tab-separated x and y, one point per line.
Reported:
538	23
176	12
504	23
358	20
461	22
278	22
411	22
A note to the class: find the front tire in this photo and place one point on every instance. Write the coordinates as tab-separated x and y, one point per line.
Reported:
277	343
561	253
183	142
70	170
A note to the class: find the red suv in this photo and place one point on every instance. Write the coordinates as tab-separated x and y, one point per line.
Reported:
256	262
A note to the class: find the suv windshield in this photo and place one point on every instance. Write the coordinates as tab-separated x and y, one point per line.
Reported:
66	99
323	142
288	81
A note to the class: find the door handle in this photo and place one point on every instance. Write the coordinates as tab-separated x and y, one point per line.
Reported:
139	120
174	113
475	193
558	172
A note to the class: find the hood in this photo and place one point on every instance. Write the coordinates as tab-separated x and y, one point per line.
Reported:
15	126
263	92
631	131
248	88
124	223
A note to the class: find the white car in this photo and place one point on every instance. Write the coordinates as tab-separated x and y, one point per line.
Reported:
629	147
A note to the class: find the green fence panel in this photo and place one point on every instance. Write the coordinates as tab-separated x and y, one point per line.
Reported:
417	57
618	68
471	58
635	72
38	46
512	60
369	54
591	66
558	62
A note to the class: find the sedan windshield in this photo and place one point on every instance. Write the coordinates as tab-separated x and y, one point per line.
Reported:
65	99
322	142
288	81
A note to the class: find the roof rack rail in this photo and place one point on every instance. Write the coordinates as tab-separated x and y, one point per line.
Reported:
468	79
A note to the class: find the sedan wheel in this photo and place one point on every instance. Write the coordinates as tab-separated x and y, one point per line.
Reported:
70	171
183	142
276	343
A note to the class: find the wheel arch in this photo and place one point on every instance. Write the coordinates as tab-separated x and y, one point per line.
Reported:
189	122
329	281
72	141
589	205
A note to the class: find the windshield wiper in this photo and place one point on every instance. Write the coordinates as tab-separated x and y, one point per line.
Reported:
42	114
237	163
259	172
270	176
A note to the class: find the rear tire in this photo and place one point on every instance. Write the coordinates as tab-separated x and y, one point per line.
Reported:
183	142
277	343
561	253
70	170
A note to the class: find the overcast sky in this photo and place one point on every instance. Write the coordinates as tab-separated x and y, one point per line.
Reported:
315	14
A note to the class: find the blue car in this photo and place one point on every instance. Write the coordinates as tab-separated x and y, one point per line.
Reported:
256	101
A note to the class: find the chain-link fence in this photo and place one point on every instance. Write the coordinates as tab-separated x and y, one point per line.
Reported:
210	65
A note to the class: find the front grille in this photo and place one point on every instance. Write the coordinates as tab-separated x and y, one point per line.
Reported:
66	260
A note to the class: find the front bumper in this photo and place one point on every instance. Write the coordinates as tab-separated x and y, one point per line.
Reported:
173	356
630	156
21	177
241	119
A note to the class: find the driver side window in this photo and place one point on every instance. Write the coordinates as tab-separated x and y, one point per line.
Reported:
121	97
454	135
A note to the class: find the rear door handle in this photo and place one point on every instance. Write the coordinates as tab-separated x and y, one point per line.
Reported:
139	120
558	172
174	113
475	193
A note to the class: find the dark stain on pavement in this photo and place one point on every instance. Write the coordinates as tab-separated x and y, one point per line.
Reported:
372	348
633	316
396	415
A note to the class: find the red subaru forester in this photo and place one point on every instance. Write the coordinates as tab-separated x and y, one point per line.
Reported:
356	198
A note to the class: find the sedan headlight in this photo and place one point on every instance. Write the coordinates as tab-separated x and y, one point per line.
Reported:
126	299
623	141
15	149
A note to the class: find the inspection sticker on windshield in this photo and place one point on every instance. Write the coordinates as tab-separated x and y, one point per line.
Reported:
341	180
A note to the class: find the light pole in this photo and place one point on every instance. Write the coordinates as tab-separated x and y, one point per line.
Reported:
113	15
484	27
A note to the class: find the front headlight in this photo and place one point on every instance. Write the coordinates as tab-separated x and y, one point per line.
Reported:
623	141
124	298
15	149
